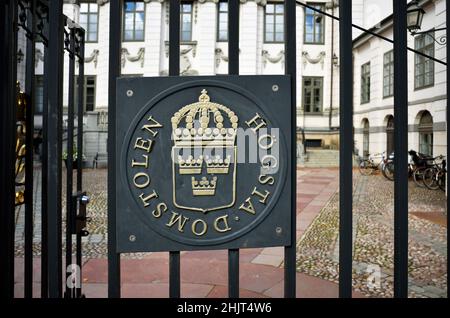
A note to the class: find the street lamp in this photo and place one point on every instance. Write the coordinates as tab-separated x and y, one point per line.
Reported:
415	15
414	19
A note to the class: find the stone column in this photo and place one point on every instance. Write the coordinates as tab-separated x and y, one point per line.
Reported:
248	38
153	40
205	28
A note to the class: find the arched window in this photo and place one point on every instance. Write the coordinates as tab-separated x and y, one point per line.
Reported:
426	133
390	135
365	137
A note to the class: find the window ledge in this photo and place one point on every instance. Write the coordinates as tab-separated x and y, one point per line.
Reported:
193	43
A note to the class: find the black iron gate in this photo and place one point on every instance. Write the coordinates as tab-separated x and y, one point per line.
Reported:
38	18
41	22
346	144
174	70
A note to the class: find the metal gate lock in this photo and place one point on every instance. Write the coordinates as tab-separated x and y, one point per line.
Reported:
82	218
85	199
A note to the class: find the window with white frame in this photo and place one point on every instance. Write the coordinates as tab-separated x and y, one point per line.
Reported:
423	66
274	23
312	94
365	83
222	21
314	25
133	22
388	74
186	21
89	20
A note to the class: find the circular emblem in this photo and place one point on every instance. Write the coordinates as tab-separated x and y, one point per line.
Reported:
203	164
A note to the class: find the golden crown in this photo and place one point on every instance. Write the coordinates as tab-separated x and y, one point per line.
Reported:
204	186
190	165
217	164
204	123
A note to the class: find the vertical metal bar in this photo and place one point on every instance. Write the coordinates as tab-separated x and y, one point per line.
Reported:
401	151
80	112
233	37
174	70
70	213
8	96
114	72
80	147
233	69
44	176
29	166
174	274
174	38
291	69
447	2
233	273
55	80
346	149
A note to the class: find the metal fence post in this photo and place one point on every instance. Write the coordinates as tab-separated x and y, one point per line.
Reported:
55	95
29	89
44	169
290	252
233	69
8	96
69	162
174	70
346	150
80	111
114	72
447	2
401	151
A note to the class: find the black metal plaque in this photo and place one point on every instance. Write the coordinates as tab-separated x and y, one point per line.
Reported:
203	162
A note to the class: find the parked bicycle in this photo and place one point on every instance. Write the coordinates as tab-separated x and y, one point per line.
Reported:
388	167
373	162
434	177
426	171
416	166
420	163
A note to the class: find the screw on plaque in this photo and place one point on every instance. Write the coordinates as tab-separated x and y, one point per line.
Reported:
275	88
129	93
278	230
132	238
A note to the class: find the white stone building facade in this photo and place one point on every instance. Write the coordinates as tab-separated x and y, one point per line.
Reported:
204	51
373	84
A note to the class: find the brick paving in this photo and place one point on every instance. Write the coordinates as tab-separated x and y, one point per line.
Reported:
204	274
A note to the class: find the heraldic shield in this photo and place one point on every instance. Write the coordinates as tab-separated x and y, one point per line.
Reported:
204	156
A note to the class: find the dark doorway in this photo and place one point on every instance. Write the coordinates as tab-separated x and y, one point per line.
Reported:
365	137
390	135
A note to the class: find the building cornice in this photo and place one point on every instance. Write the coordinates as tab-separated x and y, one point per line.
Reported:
391	106
102	2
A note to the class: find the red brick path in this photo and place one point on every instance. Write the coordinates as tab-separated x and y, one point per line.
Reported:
204	274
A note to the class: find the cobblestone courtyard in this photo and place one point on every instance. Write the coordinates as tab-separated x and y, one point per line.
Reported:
373	240
317	232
